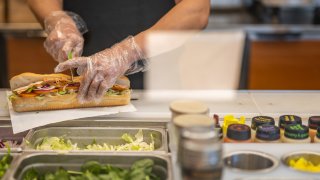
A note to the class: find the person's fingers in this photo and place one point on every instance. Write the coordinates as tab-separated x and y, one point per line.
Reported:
92	90
66	49
72	63
104	86
73	44
85	83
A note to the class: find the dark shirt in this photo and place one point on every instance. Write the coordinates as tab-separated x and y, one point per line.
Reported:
110	21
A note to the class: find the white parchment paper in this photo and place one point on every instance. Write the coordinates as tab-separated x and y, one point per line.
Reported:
23	121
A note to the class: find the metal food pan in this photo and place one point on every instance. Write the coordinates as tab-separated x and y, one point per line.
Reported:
7	135
113	122
49	162
86	135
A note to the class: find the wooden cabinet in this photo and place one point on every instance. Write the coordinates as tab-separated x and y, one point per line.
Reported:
27	55
284	65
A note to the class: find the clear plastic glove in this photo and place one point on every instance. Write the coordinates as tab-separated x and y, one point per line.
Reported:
64	31
101	70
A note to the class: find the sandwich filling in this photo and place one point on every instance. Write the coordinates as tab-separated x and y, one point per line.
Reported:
58	87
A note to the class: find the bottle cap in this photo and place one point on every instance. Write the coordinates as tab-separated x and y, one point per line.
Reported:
314	122
230	119
239	132
289	119
268	132
188	107
189	120
261	120
296	131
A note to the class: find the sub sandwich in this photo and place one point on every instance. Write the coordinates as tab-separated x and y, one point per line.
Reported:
38	92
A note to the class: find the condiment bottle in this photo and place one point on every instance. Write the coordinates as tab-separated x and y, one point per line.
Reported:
313	123
317	137
230	119
238	133
218	128
296	133
200	153
287	120
181	107
189	120
258	121
267	134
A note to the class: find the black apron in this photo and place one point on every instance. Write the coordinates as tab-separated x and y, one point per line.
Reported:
110	21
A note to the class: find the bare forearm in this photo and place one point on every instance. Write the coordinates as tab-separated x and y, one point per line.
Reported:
42	8
186	15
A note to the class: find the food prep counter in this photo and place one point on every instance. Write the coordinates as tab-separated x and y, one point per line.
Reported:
153	117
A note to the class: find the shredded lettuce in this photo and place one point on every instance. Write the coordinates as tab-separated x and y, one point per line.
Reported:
30	89
111	92
56	143
12	96
131	144
62	92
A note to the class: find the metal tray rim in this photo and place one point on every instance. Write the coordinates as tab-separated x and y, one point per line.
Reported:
164	147
25	155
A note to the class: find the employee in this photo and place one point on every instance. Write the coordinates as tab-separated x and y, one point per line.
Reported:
115	40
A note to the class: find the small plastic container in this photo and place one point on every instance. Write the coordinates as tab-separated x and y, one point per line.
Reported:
230	119
267	134
317	137
287	120
258	121
296	133
238	133
313	123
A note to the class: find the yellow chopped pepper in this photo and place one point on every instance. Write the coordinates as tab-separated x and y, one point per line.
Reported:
304	165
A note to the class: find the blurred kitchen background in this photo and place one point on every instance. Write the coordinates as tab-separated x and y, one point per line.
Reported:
281	46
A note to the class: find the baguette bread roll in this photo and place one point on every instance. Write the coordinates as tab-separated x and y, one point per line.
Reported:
66	101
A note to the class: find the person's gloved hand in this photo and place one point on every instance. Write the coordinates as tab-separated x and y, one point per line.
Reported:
101	70
63	35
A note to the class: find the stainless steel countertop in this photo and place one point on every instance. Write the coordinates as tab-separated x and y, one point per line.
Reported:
155	104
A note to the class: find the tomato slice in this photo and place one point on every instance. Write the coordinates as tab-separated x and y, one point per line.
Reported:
28	95
44	91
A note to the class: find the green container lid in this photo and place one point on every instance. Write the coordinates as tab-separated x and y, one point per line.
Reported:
296	131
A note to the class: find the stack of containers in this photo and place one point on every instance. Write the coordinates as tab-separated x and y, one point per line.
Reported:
149	147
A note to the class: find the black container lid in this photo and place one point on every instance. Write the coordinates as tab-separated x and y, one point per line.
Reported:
318	132
261	120
296	131
314	122
289	119
239	132
268	132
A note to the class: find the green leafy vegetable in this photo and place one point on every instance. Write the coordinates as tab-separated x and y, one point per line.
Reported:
5	162
62	92
56	143
70	55
31	174
92	170
12	96
29	89
136	143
